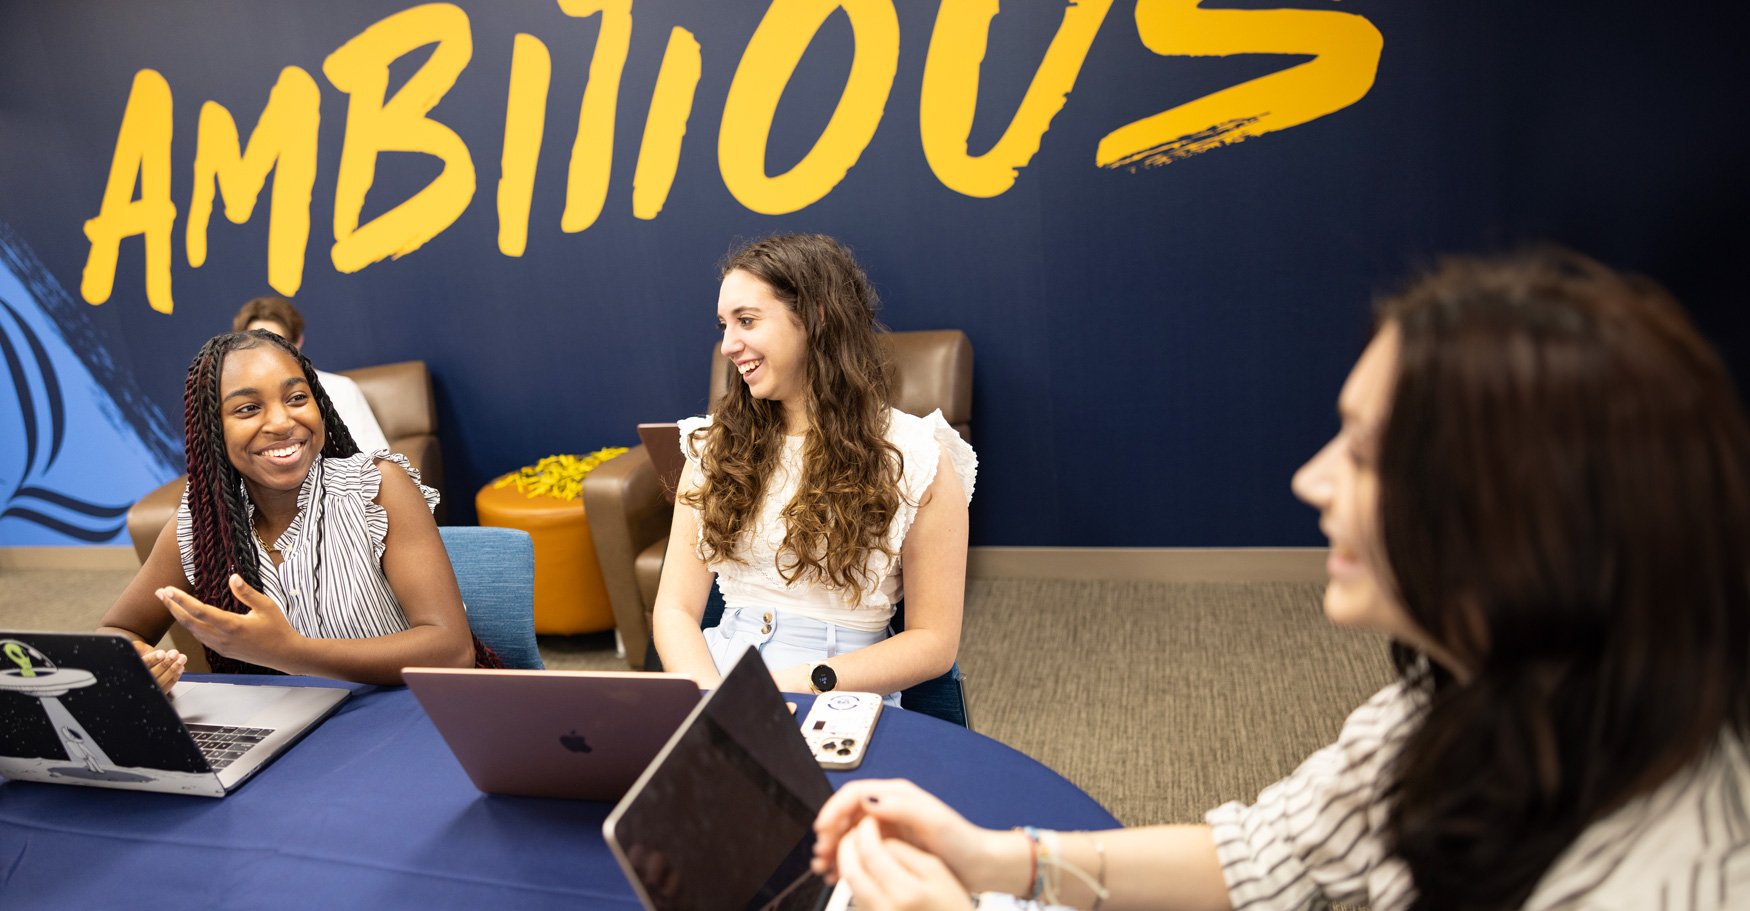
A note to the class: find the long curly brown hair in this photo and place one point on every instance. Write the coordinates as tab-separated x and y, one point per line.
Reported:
849	493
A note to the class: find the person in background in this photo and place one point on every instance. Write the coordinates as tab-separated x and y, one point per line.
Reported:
1541	491
812	502
279	316
293	551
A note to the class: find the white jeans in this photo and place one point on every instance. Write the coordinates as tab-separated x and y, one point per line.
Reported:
784	640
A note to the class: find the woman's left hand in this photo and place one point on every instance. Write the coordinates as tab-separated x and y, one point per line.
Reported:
888	873
263	636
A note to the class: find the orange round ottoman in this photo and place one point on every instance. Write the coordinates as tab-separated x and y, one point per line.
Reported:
569	594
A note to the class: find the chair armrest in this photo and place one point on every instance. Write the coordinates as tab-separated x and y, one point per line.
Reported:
623	501
146	521
147	518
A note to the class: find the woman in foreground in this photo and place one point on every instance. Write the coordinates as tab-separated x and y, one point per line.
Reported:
292	550
1541	492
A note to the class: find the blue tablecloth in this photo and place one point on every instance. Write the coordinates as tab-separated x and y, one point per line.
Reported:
371	811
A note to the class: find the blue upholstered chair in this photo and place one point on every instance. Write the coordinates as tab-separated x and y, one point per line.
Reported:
495	568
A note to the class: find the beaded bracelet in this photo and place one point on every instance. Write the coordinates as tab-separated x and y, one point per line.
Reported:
1034	883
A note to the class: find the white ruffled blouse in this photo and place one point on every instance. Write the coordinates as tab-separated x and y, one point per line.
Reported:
753	580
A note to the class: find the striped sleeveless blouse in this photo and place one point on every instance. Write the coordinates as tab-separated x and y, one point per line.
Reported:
331	582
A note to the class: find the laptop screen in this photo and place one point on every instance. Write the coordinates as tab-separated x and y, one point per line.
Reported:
725	817
106	700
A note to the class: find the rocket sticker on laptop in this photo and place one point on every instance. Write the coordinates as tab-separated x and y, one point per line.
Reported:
29	672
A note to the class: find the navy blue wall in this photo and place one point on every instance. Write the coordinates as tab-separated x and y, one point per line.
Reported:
1156	351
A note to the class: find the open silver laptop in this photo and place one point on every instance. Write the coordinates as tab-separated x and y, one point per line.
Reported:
724	817
579	734
81	708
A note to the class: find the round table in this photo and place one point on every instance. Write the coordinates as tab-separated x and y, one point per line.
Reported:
371	810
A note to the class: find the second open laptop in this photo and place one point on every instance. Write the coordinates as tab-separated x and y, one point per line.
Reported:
662	442
81	708
724	817
580	734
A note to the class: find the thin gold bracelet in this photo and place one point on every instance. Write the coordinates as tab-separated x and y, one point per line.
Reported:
1100	893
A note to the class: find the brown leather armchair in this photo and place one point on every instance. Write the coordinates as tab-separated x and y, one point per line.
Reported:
629	517
400	395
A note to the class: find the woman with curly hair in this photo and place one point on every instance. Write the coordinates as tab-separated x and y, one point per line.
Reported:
814	504
1541	492
292	550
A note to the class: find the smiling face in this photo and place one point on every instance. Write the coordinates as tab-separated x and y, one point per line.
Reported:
1342	483
766	342
273	428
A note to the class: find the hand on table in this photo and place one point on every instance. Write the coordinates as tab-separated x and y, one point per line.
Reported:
887	873
165	665
263	636
904	812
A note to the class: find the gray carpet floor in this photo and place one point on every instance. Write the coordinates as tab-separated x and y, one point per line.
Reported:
1159	699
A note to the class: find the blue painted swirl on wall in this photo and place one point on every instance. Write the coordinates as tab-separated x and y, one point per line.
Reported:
66	411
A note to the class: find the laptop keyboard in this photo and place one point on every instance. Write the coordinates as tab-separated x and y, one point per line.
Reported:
222	744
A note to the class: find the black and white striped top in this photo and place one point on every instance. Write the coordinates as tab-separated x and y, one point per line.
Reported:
1318	836
354	600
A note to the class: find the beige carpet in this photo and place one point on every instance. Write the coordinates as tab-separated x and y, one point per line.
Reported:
1163	700
1159	699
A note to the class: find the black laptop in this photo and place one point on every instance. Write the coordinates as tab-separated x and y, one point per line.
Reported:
724	816
81	708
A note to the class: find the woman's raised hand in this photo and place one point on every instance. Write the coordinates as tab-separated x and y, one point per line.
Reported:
263	636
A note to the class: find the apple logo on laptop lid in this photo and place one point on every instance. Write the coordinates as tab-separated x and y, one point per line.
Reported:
574	742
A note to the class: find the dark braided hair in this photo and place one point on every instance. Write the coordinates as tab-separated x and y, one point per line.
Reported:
223	542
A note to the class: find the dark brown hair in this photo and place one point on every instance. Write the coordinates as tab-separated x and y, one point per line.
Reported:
1565	507
271	307
219	519
849	491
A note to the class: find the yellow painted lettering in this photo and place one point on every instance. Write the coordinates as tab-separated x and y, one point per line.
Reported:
142	152
766	65
525	117
1345	49
949	97
360	68
659	155
592	155
284	138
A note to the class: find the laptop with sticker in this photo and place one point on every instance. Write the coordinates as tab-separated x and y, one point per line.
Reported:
81	708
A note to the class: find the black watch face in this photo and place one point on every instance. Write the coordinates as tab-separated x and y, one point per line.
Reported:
824	678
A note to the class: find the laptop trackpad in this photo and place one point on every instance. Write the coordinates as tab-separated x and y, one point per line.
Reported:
252	706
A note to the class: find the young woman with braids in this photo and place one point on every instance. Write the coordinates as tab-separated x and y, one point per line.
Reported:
1541	492
292	551
814	504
